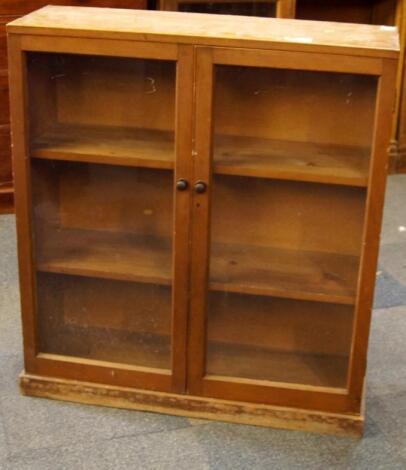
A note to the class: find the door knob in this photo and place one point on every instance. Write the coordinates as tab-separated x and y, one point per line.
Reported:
181	184
200	187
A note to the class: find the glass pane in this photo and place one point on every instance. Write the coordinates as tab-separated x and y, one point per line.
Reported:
102	147
290	163
282	340
311	126
110	110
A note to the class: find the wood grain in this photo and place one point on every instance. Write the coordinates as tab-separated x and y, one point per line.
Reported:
182	221
233	155
286	8
295	274
4	97
64	198
5	158
200	235
109	145
295	161
220	30
23	198
305	275
348	424
240	361
291	215
6	188
124	256
284	325
269	102
373	223
6	198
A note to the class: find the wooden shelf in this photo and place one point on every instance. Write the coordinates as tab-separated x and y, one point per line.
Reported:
6	198
300	161
233	155
224	359
303	275
139	350
245	269
108	145
6	188
108	255
278	366
103	344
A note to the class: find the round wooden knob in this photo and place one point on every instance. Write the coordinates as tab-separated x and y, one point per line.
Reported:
200	187
181	185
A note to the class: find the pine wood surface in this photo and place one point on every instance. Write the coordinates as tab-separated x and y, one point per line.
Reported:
204	29
265	364
234	268
115	256
346	424
233	155
106	144
276	271
301	161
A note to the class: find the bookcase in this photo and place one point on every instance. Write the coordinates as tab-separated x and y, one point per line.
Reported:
198	210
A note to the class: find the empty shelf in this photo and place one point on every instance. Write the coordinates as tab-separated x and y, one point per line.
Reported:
109	255
303	275
108	145
300	161
277	366
296	274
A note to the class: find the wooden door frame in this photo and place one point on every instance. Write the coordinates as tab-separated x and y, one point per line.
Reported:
67	367
286	9
347	399
385	103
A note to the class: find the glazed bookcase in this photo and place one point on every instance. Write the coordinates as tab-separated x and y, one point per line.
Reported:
198	206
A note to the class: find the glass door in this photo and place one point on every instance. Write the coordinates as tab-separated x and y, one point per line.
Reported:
105	157
288	155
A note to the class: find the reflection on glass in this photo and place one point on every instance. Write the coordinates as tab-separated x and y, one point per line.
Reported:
288	198
102	206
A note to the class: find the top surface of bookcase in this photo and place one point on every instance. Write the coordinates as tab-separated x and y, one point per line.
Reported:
206	29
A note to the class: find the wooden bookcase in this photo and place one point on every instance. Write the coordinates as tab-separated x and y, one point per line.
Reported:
199	206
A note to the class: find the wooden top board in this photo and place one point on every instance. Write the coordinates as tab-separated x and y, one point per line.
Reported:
206	29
